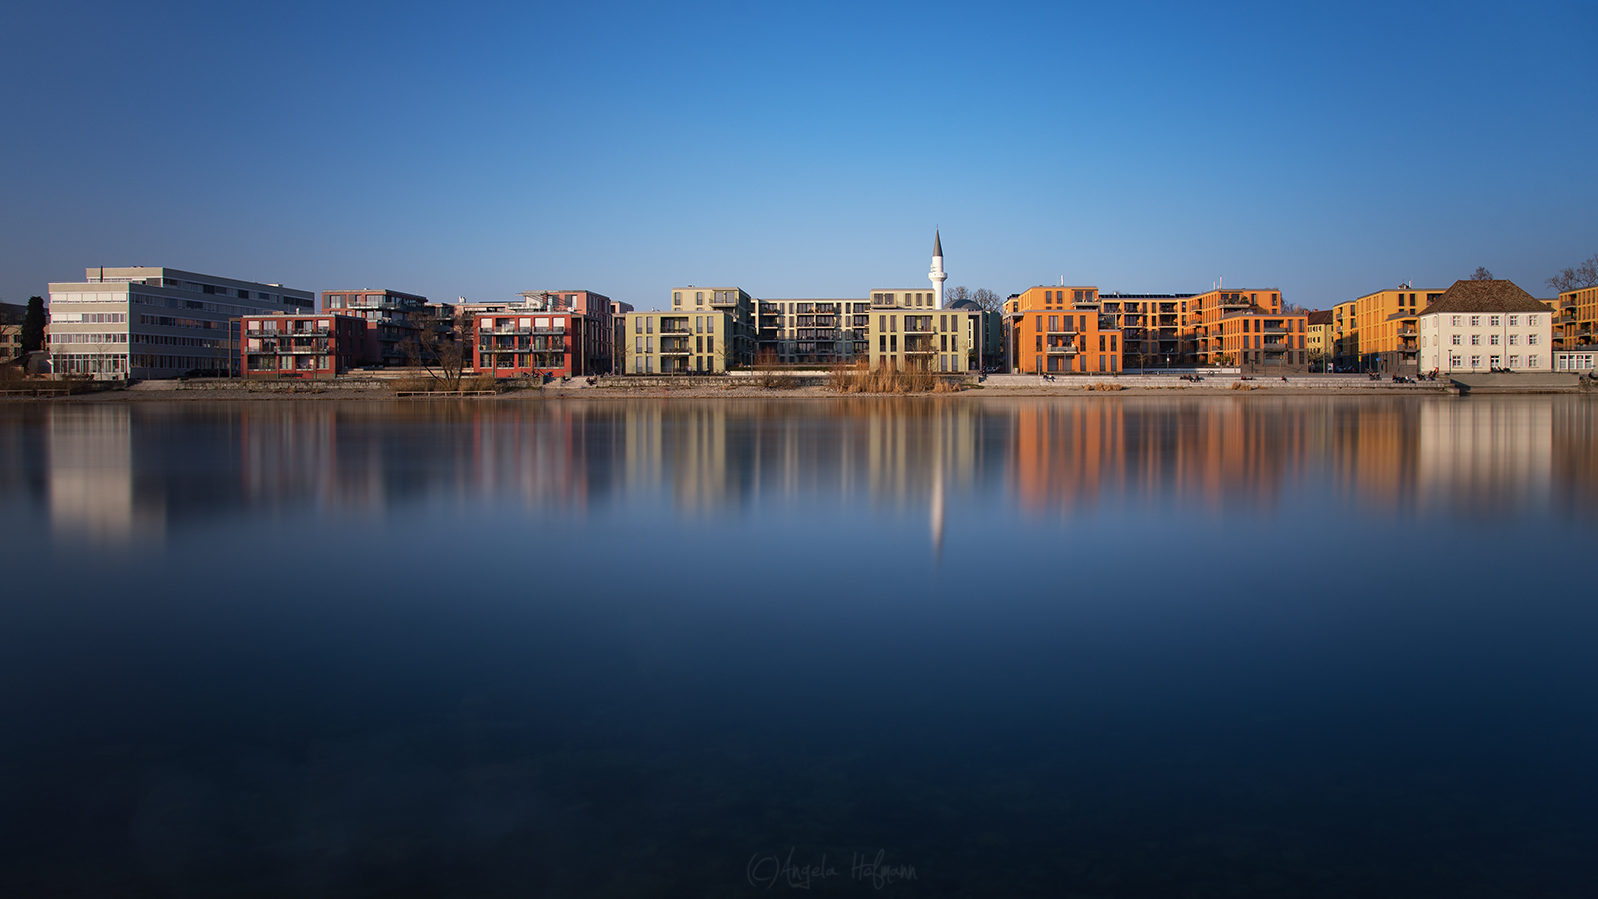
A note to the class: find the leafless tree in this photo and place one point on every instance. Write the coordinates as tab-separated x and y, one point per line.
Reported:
1583	275
444	355
1482	274
987	299
951	294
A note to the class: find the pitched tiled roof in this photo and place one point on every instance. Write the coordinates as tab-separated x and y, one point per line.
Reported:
1323	317
1484	296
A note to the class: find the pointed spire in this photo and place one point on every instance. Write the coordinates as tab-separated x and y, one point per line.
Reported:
937	243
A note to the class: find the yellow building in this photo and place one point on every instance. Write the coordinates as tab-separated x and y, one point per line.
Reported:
1318	337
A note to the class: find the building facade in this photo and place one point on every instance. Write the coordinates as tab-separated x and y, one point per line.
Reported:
156	322
672	343
1479	326
1579	359
1259	341
741	343
1577	318
394	318
1378	332
1061	330
304	345
1318	338
524	344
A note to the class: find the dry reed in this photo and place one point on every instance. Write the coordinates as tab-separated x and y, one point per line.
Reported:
862	379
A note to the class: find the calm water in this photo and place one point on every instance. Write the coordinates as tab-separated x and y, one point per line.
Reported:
1093	647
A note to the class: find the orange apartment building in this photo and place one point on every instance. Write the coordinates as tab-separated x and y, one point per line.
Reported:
1259	341
1154	327
1379	331
1061	330
1576	318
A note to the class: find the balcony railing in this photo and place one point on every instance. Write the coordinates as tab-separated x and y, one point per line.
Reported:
278	335
1061	349
505	330
1407	332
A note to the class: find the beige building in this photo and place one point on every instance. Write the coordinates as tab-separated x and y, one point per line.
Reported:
738	305
1318	337
1478	326
905	330
671	343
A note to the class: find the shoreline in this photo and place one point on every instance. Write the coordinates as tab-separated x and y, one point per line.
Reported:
996	386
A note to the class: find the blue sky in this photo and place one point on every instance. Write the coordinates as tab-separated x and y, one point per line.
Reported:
798	149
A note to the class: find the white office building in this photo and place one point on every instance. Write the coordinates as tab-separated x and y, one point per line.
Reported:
1479	326
154	322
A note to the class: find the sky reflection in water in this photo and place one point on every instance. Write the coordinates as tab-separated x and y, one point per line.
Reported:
1207	646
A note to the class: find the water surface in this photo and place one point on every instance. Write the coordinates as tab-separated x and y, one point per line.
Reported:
1222	646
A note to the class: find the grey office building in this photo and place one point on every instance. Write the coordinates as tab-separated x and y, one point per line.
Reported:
154	322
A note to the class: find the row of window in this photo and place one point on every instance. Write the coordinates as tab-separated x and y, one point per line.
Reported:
1492	339
110	337
1493	321
1492	361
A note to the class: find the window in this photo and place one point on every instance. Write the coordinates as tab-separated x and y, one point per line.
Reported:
1054	323
1531	339
710	324
1475	340
1455	321
710	344
1454	361
1493	339
1514	339
638	344
1513	320
1475	321
699	298
1531	361
1457	339
1514	361
1531	320
1493	321
1475	362
638	325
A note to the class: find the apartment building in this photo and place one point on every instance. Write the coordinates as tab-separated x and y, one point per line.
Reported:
156	322
673	343
305	345
1576	318
1378	331
906	331
1152	328
596	332
1259	341
394	317
521	343
1063	330
1200	319
1484	325
815	332
741	342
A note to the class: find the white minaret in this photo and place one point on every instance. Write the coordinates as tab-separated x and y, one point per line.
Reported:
937	277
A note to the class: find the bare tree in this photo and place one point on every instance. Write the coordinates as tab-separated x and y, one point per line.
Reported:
445	356
987	299
1482	274
956	293
1583	275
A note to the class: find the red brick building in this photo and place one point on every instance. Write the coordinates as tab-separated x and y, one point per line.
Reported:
304	346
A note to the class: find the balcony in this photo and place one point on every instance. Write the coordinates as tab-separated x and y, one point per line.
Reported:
508	330
547	331
1407	332
1061	349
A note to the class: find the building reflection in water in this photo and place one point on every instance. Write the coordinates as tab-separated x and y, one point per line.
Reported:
90	478
119	471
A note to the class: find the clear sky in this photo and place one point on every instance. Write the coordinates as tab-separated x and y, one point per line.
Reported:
799	149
